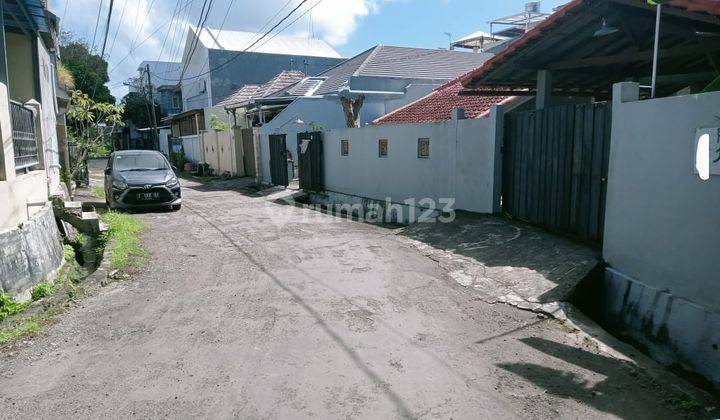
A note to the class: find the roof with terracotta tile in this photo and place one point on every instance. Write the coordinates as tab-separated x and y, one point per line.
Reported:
247	93
438	106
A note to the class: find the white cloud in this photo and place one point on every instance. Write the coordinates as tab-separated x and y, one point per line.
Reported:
147	23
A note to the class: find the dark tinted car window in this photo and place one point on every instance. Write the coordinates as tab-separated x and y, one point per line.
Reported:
139	162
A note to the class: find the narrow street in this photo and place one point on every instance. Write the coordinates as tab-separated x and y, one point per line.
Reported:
249	308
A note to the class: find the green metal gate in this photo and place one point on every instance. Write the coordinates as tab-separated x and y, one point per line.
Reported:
555	165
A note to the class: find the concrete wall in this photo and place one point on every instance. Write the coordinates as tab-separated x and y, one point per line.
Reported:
661	229
48	119
193	148
16	190
21	69
223	152
257	68
463	163
326	113
192	87
30	253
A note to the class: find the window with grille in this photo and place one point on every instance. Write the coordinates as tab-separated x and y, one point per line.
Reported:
382	148
344	147
423	148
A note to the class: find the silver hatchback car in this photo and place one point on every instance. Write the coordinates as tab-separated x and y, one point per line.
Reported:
141	179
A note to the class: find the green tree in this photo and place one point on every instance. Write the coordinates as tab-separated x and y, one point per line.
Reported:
89	123
89	71
137	109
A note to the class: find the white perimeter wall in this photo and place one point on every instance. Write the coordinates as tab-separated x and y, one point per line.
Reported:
463	162
662	223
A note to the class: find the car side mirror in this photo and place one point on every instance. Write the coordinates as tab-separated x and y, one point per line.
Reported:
174	168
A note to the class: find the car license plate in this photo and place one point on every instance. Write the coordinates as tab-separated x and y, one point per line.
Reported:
148	196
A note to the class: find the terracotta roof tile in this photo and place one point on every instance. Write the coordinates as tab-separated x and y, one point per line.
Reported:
438	106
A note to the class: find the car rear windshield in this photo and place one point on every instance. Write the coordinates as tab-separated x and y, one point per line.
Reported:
140	162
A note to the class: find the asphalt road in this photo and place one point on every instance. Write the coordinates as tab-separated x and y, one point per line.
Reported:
252	309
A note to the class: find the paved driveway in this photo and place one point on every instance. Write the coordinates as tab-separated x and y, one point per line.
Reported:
253	309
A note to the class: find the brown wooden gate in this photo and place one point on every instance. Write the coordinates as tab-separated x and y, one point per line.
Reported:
248	148
555	165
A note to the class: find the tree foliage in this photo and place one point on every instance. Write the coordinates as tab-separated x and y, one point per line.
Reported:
89	70
137	109
89	123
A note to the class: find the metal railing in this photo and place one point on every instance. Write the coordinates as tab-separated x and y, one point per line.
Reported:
23	136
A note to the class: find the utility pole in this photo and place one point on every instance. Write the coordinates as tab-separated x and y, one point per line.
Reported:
156	142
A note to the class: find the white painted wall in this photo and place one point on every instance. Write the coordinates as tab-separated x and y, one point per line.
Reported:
48	118
192	84
193	148
662	225
662	222
463	162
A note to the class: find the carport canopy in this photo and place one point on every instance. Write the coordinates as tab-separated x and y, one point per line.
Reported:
572	58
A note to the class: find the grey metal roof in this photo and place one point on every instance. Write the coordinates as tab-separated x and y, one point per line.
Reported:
401	63
277	44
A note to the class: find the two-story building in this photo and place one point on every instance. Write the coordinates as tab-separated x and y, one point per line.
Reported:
30	248
216	63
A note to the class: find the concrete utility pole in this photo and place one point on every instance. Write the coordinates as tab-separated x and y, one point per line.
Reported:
156	142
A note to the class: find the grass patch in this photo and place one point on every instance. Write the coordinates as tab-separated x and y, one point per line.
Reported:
9	307
97	192
125	252
41	290
67	279
24	329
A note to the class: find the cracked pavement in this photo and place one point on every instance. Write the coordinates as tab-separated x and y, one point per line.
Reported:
253	309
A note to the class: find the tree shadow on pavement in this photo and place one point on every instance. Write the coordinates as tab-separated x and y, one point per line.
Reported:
624	391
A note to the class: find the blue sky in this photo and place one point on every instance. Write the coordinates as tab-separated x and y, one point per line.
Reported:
145	29
422	23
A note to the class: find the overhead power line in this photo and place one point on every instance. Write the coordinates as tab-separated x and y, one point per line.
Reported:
107	29
97	23
193	44
234	57
117	29
132	49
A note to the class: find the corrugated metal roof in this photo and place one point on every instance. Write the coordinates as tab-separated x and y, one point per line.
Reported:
278	44
306	86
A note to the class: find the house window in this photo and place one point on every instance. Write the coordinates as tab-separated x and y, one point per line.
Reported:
344	147
424	148
382	148
176	100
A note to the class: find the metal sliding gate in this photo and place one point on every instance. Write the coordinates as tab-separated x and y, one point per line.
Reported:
278	160
310	161
555	165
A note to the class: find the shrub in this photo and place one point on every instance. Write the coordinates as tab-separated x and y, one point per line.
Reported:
9	307
69	252
41	290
